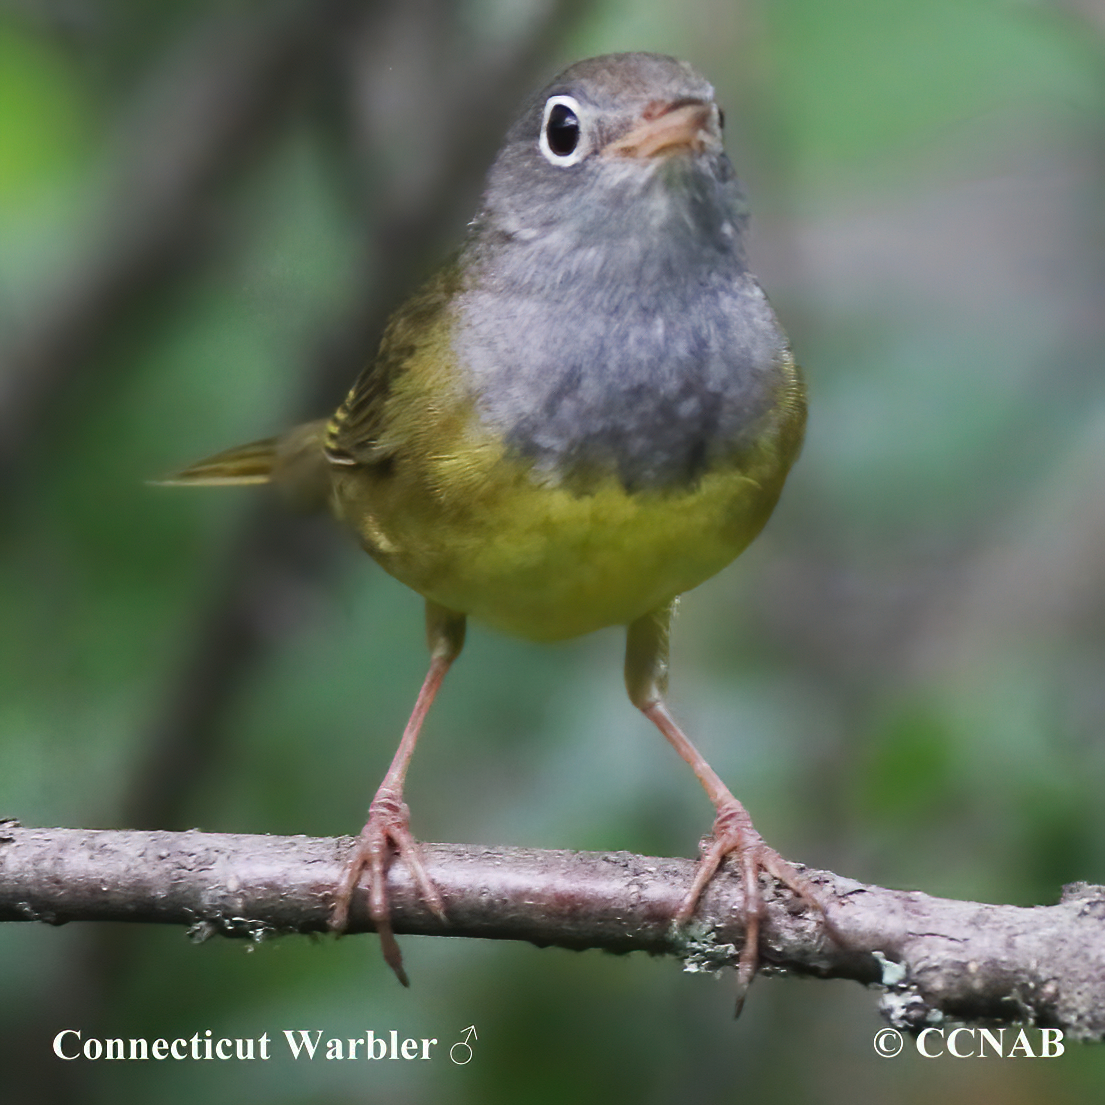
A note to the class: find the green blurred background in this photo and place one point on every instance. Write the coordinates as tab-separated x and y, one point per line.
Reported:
206	211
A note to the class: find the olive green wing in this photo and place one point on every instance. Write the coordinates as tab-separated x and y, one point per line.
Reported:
362	430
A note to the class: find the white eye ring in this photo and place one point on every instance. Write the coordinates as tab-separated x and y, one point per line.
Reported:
561	161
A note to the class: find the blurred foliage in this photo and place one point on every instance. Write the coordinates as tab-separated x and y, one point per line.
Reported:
902	678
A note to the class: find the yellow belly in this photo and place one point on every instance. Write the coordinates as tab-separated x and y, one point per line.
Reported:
545	563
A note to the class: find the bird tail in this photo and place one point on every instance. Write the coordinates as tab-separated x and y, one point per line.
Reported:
252	463
294	462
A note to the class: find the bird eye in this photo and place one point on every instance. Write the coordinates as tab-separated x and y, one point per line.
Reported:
720	119
561	131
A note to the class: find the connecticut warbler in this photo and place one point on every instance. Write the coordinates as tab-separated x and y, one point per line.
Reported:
587	411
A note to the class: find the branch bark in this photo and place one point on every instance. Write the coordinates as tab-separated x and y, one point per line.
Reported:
929	957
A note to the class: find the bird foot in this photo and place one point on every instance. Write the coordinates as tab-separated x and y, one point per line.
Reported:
386	833
734	835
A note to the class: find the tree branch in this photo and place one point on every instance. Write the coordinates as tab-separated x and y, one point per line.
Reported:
931	957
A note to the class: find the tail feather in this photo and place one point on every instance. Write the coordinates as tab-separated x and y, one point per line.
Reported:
244	464
294	462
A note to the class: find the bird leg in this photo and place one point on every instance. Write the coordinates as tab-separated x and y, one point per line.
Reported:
646	671
387	829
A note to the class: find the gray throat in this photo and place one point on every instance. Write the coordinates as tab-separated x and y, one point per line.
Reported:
625	335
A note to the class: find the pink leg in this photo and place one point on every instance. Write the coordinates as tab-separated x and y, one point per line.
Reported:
733	832
387	829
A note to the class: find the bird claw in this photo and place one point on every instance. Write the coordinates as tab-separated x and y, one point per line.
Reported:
733	834
385	834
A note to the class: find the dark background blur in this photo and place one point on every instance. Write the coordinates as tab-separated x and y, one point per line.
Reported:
207	210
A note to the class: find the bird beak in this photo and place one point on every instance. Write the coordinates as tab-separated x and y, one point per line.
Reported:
668	129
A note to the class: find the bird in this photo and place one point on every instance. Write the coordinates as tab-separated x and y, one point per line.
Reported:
587	411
